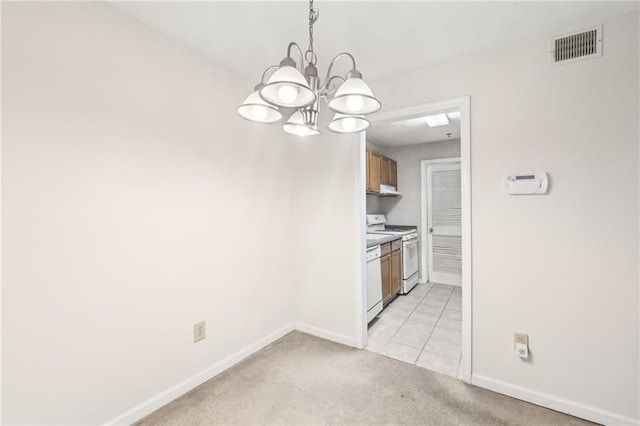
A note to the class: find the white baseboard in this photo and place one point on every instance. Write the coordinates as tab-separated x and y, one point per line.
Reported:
553	402
329	335
185	386
180	389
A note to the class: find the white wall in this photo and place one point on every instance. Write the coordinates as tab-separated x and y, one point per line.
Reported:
135	203
328	201
379	148
130	187
562	267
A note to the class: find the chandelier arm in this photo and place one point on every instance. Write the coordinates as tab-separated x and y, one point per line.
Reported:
264	74
340	55
327	87
293	43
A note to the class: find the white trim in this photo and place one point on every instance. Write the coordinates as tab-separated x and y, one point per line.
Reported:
326	334
467	235
163	398
420	110
361	290
424	267
464	103
553	402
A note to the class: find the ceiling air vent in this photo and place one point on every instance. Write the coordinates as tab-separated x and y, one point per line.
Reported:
576	46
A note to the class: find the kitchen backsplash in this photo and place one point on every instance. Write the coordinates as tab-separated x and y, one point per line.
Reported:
373	204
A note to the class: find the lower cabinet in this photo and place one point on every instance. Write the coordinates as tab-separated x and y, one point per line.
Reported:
391	264
396	272
385	264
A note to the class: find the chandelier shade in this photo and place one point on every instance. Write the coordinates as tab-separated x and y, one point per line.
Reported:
287	88
342	123
296	126
255	109
354	97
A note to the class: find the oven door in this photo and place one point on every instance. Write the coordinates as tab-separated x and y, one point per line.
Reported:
409	258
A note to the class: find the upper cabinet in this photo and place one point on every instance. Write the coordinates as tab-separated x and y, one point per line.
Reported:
393	173
381	170
389	172
373	171
384	170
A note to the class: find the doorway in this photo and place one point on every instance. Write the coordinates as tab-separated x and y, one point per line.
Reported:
429	292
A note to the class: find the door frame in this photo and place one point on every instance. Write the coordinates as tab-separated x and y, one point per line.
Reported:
424	164
464	104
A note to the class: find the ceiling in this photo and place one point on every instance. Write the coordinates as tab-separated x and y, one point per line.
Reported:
413	131
385	37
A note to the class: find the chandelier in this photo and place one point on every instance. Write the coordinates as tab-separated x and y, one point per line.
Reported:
300	90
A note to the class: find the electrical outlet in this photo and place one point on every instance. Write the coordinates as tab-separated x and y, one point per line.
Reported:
521	345
199	331
520	338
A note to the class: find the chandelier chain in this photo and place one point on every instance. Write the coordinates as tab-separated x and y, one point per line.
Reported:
310	55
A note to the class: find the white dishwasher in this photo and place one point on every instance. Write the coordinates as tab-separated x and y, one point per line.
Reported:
374	283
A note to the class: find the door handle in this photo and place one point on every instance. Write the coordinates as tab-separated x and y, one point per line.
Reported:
431	230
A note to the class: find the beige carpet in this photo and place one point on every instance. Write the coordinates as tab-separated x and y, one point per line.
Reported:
301	379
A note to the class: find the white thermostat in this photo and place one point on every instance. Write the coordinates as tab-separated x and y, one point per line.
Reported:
534	183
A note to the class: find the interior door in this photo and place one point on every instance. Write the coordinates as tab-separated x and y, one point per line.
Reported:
444	222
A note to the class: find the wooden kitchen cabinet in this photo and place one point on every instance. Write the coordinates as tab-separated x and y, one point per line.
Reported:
385	265
385	249
373	171
388	171
391	270
384	170
381	170
396	272
393	173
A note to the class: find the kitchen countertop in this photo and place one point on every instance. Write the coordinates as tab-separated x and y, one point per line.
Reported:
379	241
403	227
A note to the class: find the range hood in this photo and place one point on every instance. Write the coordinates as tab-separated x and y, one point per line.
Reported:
388	191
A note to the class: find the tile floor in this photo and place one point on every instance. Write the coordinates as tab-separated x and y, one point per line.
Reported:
422	328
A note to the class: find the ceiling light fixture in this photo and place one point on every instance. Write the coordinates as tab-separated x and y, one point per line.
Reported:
301	90
437	120
455	115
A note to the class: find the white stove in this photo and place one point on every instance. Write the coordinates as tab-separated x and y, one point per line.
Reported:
377	224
